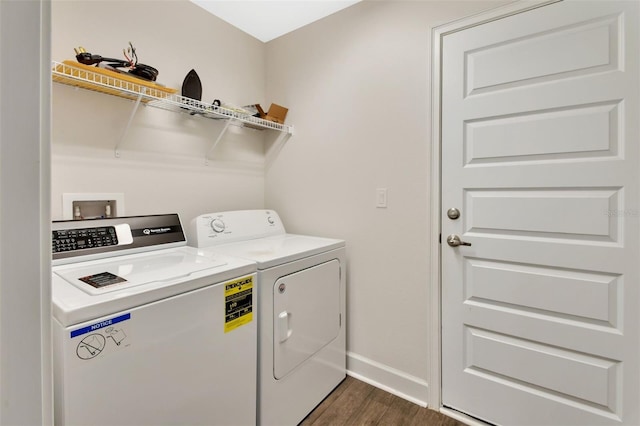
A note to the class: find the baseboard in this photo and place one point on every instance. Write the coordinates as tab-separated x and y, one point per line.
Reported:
388	379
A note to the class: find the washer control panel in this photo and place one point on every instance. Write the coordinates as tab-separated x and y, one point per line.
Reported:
78	239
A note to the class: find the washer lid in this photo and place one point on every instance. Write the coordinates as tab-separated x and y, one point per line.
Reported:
278	249
148	280
124	272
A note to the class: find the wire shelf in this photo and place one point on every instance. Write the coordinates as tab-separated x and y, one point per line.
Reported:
154	95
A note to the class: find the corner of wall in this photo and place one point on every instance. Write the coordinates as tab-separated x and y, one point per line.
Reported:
389	379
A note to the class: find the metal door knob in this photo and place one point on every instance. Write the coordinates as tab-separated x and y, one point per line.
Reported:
455	241
453	213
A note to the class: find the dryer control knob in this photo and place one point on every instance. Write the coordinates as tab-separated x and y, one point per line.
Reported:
271	220
217	225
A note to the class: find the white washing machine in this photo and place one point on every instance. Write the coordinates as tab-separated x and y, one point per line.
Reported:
301	293
148	331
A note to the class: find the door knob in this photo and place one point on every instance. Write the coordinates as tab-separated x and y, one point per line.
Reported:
455	241
453	213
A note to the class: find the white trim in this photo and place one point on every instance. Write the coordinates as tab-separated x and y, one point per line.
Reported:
435	351
45	213
490	15
434	398
389	379
25	218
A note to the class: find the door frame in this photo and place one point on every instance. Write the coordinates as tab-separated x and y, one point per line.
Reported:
26	382
434	399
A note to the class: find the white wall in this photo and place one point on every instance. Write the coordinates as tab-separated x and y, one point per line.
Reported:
25	228
358	88
162	165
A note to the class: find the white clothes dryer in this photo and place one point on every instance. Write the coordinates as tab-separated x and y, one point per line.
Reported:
148	331
301	293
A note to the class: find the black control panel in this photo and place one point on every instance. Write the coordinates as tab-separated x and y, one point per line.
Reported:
78	239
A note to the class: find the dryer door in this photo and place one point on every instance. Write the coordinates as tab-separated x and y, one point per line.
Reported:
306	306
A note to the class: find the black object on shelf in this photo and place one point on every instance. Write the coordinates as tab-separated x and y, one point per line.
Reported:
191	86
145	72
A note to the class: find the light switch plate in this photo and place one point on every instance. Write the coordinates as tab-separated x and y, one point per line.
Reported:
381	198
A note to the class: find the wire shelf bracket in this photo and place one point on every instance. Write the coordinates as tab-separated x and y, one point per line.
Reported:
128	125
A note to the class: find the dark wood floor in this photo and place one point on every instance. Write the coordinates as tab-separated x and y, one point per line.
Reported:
357	403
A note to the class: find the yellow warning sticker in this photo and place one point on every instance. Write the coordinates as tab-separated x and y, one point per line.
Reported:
238	300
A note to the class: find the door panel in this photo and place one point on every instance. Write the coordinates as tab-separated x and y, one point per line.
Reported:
547	53
306	307
540	153
527	287
574	132
585	378
544	213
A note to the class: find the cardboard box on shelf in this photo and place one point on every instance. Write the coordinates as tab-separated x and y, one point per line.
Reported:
276	113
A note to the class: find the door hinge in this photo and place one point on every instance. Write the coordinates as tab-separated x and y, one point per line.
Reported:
339	320
440	238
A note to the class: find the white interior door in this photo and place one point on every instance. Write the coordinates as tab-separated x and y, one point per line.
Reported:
540	154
